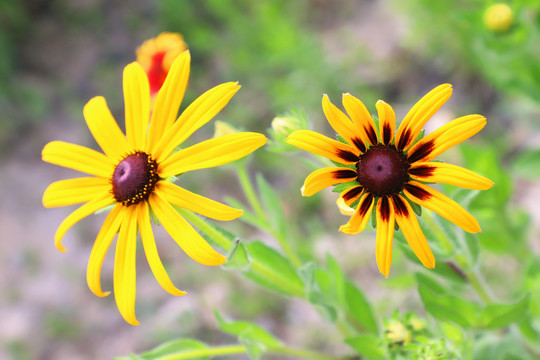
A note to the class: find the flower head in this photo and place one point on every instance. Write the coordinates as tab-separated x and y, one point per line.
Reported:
498	17
156	56
131	175
387	169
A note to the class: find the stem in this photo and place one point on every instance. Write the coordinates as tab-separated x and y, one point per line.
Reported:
258	268
286	246
193	354
249	191
241	349
302	354
253	200
474	276
226	244
206	228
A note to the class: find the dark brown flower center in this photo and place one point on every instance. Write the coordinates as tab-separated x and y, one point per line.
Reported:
383	170
134	178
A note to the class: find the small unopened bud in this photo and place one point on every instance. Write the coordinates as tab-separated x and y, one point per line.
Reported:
222	128
498	17
416	324
397	333
282	126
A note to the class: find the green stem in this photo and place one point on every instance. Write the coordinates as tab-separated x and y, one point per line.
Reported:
253	200
249	191
473	275
206	228
260	269
217	351
287	249
240	349
226	244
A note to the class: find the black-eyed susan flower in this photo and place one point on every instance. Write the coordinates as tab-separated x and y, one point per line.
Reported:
387	169
156	56
131	174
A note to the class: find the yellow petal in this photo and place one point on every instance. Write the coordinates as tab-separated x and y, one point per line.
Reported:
321	145
202	110
75	191
150	249
137	105
78	158
197	203
410	228
420	113
168	100
343	125
325	177
350	195
449	135
362	118
387	122
385	235
124	267
105	129
449	209
436	172
77	215
212	152
183	233
101	245
358	221
344	208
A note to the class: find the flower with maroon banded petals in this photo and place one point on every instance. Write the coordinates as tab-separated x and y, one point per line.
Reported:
387	170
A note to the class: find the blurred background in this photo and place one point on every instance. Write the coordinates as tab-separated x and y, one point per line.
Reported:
56	55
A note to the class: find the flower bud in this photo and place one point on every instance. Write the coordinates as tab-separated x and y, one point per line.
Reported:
498	17
397	333
222	128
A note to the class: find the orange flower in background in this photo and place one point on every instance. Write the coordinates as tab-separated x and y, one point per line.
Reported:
156	56
386	170
133	175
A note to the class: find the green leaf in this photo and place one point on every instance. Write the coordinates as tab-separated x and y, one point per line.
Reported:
319	290
368	346
416	208
359	308
339	188
272	270
500	315
180	346
272	205
247	216
249	330
450	308
527	165
238	258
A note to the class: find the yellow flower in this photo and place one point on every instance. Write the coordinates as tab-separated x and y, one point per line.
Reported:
498	17
387	169
131	175
156	56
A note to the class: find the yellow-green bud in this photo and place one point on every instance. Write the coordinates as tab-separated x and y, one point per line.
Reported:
284	126
498	17
397	333
416	324
222	128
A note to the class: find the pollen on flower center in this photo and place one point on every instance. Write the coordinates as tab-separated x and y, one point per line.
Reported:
134	178
382	170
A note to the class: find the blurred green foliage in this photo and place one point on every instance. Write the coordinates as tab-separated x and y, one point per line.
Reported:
454	32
